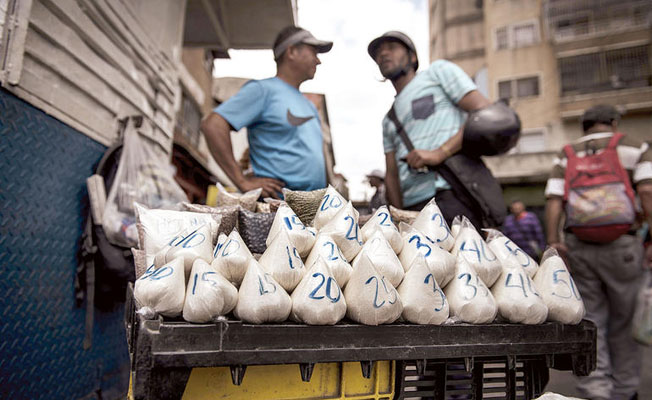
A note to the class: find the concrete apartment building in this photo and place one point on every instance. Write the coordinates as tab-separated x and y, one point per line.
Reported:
552	59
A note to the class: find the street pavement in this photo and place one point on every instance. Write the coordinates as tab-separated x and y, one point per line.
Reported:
563	382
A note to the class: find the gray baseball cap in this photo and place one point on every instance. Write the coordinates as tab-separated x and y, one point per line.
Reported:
302	36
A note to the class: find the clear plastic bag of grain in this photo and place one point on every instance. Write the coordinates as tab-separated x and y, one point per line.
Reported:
245	200
304	203
254	229
229	215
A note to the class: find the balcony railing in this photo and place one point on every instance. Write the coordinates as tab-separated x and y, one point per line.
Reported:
607	70
578	19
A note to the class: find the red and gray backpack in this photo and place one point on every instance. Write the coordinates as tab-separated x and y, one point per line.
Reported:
598	195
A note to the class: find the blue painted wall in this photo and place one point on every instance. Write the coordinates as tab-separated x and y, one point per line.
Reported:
43	169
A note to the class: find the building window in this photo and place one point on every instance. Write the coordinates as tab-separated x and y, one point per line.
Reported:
502	40
606	70
517	35
518	88
531	141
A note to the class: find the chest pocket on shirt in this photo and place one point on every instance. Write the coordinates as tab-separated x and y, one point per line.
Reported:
423	107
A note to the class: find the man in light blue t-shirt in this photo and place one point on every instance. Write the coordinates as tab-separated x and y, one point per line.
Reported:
284	129
431	106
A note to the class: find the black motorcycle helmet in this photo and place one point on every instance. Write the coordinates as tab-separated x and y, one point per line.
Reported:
490	131
395	36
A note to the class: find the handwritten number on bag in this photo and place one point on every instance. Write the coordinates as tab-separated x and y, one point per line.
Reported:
331	255
436	290
148	272
157	274
469	284
443	224
522	285
329	284
479	251
516	251
570	285
294	252
420	245
385	218
333	203
350	235
376	305
204	278
187	242
293	221
261	286
234	245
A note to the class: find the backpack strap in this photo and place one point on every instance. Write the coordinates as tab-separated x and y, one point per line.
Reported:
399	129
613	142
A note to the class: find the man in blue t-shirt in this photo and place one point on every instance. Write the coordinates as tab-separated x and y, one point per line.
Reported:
284	129
431	106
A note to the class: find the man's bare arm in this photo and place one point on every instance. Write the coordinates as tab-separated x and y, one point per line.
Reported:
392	185
218	137
645	194
474	100
554	210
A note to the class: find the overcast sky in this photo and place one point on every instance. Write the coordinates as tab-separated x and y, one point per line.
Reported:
356	96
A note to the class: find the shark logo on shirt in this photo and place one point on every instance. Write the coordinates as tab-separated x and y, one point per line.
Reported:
296	121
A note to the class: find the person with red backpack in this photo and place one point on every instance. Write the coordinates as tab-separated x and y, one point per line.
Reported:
592	183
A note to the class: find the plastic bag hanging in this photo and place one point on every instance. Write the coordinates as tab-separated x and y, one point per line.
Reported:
382	256
431	222
144	175
326	248
282	261
208	295
468	297
424	302
318	299
505	250
558	290
162	290
415	243
301	236
516	295
344	229
330	204
382	221
470	244
260	298
231	257
370	299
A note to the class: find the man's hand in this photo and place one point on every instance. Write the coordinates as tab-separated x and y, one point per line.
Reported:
562	249
421	158
271	187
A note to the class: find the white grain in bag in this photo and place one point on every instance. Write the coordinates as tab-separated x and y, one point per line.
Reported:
344	229
302	237
190	244
415	243
468	297
161	290
209	295
330	204
381	220
470	244
260	298
370	299
318	299
558	290
156	228
383	258
506	250
456	225
283	262
431	222
516	296
424	302
326	248
231	257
